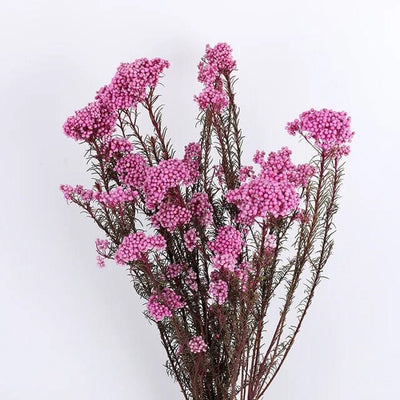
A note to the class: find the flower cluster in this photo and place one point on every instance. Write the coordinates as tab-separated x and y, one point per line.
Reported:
274	190
220	56
246	172
127	89
162	305
170	216
111	199
134	246
131	169
330	129
227	243
191	280
129	85
242	272
197	345
116	196
169	174
218	291
91	122
114	146
191	239
174	270
226	247
102	245
201	209
217	61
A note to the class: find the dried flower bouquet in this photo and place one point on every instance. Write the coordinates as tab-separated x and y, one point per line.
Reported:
227	256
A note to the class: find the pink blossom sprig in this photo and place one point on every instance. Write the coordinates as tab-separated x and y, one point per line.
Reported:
330	130
217	61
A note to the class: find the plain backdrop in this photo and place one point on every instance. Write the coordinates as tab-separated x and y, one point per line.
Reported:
69	330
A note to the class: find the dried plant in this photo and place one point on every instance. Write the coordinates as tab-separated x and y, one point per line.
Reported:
227	258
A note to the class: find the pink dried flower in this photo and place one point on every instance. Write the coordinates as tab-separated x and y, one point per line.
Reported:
212	98
330	129
228	241
191	280
217	61
100	262
174	270
102	245
91	122
191	239
197	345
130	83
208	73
201	209
132	169
220	56
116	196
134	246
242	272
273	190
218	291
224	261
112	147
78	192
162	305
170	216
169	174
245	173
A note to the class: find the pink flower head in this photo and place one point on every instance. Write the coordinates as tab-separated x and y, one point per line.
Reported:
242	272
174	270
100	262
102	245
162	305
245	173
169	174
130	83
191	239
217	61
274	190
218	291
116	196
91	122
197	345
228	241
201	209
136	245
220	56
191	280
212	98
329	129
115	147
132	169
78	192
170	216
224	261
208	73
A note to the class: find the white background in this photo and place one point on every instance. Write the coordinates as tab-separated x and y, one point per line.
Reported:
69	330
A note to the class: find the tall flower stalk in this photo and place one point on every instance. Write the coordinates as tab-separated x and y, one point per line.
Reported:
227	256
